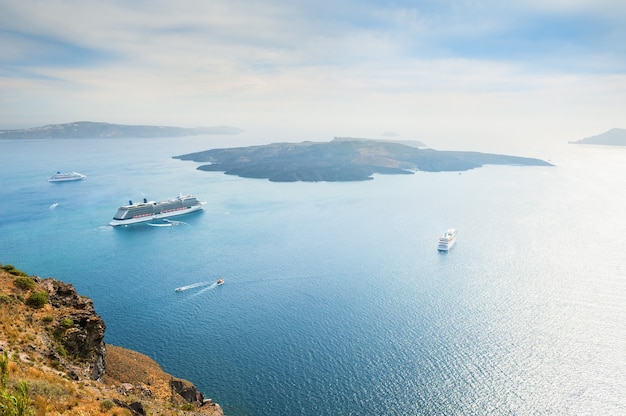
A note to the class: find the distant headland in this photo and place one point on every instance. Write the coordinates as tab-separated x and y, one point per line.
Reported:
92	130
613	137
343	159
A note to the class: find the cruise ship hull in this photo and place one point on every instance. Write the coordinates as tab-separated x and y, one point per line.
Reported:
445	246
150	211
153	217
447	240
64	180
66	177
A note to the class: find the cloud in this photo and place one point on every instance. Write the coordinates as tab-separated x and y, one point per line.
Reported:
382	66
300	32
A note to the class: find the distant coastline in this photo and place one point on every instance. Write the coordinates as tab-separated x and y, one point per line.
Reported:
92	130
613	137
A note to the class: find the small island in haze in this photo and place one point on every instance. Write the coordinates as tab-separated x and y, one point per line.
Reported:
343	159
613	137
92	130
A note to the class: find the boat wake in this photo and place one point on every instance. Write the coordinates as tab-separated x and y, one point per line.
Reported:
193	286
53	206
209	287
166	223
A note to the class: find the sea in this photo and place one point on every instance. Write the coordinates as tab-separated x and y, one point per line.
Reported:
336	300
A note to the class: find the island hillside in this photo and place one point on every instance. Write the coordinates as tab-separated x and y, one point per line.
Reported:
92	130
53	359
613	137
342	159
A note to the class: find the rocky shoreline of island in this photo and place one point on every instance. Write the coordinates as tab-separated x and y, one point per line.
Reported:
343	159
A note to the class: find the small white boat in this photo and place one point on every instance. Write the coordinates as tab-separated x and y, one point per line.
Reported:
447	240
65	177
220	281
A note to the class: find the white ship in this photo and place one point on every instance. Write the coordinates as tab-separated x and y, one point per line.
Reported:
151	210
64	177
447	240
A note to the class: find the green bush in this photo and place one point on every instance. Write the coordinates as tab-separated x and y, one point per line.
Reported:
4	370
47	319
107	404
67	322
37	299
13	401
17	402
9	299
61	350
24	282
12	270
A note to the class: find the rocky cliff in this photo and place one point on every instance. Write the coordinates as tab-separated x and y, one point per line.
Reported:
79	331
54	359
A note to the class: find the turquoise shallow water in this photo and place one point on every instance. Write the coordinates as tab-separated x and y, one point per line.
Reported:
336	300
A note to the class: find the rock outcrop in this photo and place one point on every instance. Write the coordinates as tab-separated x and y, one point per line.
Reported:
186	390
79	330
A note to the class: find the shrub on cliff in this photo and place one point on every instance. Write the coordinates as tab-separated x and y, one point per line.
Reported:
37	299
15	401
4	370
67	322
9	299
24	282
106	405
11	269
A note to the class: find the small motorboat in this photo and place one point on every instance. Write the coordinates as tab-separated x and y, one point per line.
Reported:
220	281
179	289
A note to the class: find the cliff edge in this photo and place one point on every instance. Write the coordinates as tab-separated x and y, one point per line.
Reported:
53	359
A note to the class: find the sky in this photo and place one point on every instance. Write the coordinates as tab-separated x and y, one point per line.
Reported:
451	73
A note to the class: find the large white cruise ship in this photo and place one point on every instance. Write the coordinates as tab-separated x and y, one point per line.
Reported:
447	240
151	210
64	177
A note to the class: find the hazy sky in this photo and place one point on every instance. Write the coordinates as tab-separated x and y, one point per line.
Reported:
441	71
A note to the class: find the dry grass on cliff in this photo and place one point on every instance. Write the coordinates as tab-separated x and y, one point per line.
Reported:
26	339
127	366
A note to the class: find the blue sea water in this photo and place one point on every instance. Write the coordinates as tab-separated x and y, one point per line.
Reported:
336	301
